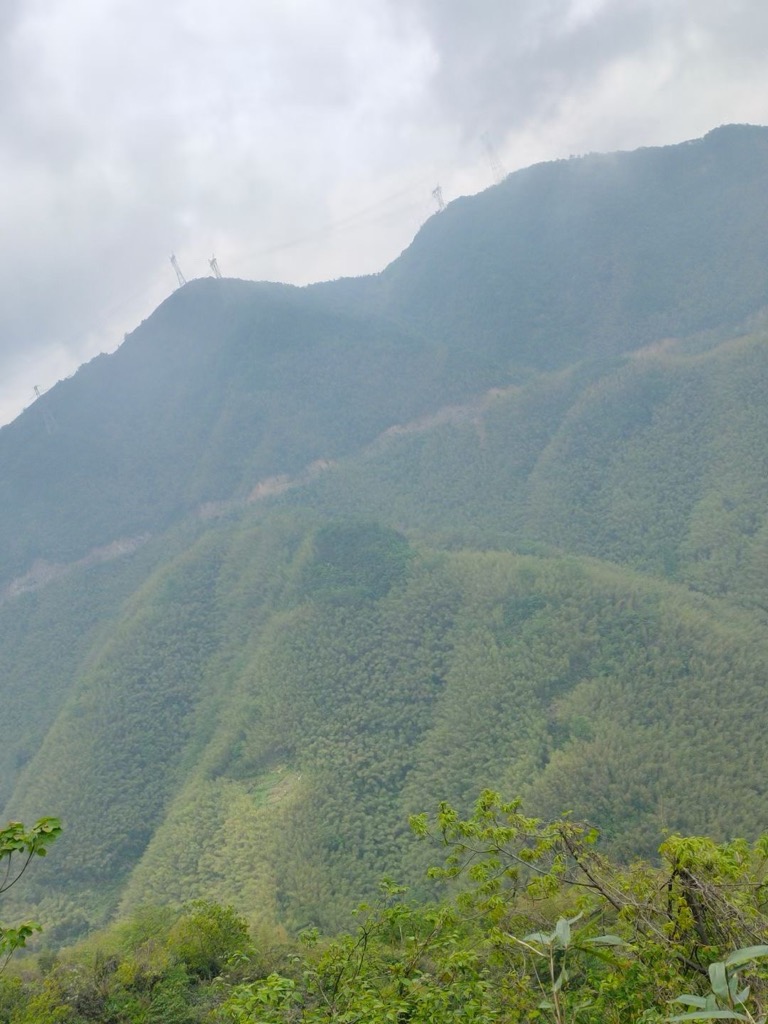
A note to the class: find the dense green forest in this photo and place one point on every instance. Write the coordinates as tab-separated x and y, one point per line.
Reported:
301	689
533	924
295	564
655	461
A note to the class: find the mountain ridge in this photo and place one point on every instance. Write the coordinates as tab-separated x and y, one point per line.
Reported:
498	286
493	517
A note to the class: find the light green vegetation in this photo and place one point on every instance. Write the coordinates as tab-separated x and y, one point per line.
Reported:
292	694
538	925
18	848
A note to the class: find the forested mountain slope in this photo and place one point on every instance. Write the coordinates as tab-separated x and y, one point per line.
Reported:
657	461
591	257
230	381
227	383
270	707
531	552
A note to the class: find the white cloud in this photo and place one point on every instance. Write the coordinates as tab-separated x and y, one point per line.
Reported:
301	140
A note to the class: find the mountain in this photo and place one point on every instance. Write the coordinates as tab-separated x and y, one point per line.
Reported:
230	382
294	563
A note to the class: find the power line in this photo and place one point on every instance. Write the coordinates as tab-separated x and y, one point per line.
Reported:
348	221
357	218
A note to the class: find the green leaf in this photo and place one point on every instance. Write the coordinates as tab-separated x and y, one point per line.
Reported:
709	1015
604	940
741	997
560	981
743	956
563	932
719	980
698	1001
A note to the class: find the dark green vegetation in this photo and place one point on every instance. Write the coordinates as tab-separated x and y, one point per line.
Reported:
296	563
540	927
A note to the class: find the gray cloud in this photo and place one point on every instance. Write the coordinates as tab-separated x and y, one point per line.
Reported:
300	139
526	67
134	129
536	51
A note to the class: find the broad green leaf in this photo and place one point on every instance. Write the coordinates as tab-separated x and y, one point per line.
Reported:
698	1001
741	997
563	932
743	956
719	980
709	1015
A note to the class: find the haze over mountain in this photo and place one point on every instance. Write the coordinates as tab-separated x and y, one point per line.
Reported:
294	562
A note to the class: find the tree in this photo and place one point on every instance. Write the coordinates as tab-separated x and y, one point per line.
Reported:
18	845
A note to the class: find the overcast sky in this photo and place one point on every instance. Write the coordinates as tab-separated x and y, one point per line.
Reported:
300	140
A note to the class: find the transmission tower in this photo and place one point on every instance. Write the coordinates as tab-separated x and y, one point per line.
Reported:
177	268
437	195
213	263
497	167
50	423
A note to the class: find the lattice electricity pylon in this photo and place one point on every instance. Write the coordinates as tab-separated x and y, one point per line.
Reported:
497	167
51	426
177	268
